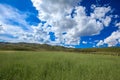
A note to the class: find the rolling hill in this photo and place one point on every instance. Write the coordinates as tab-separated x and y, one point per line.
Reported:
45	47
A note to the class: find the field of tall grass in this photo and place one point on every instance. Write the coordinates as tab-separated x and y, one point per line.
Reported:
31	65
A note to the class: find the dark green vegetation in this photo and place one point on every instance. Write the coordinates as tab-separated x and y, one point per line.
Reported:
31	65
45	47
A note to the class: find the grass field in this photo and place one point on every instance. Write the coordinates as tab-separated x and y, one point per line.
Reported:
30	65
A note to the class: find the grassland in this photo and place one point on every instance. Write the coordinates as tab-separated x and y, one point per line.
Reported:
32	65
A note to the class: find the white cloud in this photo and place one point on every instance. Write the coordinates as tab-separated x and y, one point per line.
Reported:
10	16
84	42
107	21
118	25
1	29
12	22
113	39
100	43
57	14
100	12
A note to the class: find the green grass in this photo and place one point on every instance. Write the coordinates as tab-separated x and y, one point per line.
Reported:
30	65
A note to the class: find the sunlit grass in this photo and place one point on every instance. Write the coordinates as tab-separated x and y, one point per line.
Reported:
30	65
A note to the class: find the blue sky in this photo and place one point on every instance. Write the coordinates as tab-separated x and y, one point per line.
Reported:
69	23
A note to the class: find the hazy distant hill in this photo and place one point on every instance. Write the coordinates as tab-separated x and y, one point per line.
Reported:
28	47
45	47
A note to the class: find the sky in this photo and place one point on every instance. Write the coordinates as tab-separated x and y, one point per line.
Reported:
68	23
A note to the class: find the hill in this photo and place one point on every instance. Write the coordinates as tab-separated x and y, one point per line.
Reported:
28	47
45	47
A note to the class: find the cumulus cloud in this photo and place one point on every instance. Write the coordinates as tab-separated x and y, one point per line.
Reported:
99	12
107	21
18	33
84	42
113	39
118	25
100	43
58	15
64	18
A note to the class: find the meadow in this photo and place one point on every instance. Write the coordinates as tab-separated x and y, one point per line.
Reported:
58	65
